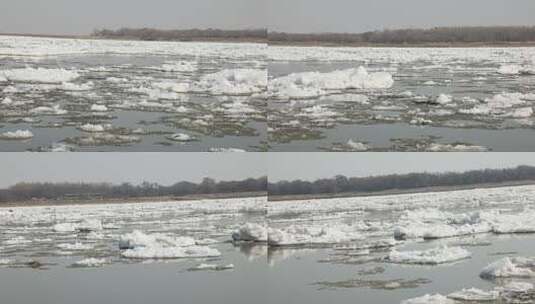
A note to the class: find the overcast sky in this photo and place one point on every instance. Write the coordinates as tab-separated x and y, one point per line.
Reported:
164	168
311	166
366	15
82	16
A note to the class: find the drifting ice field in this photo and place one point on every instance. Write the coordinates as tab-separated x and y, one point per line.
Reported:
445	247
146	251
66	94
403	99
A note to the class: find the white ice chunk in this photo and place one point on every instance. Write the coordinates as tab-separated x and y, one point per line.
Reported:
509	267
474	294
17	135
75	246
233	82
40	75
90	262
433	256
251	232
99	108
429	299
315	84
212	267
313	235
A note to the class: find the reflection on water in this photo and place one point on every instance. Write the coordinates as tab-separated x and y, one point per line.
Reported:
300	278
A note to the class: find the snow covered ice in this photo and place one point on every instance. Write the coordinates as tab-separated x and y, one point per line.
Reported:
57	88
94	235
443	93
431	256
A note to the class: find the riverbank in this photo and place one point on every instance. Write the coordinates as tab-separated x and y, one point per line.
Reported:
151	199
396	191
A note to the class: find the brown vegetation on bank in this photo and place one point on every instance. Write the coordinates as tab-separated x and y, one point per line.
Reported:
438	36
35	193
400	183
150	34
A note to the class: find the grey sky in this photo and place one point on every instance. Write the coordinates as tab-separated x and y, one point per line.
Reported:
366	15
311	166
164	168
82	16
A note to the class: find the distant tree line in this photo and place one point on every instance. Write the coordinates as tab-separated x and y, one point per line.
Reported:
181	35
484	34
340	183
33	191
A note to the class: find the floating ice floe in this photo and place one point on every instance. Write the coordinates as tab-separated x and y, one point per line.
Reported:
357	146
178	87
314	235
219	149
90	262
503	223
516	70
520	113
429	299
509	69
512	292
41	75
116	79
84	226
357	98
507	267
75	246
433	256
233	82
158	246
4	262
181	137
17	135
212	267
17	241
316	84
444	99
179	66
99	138
474	294
44	110
456	147
93	128
99	108
64	227
420	121
434	224
69	86
251	232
